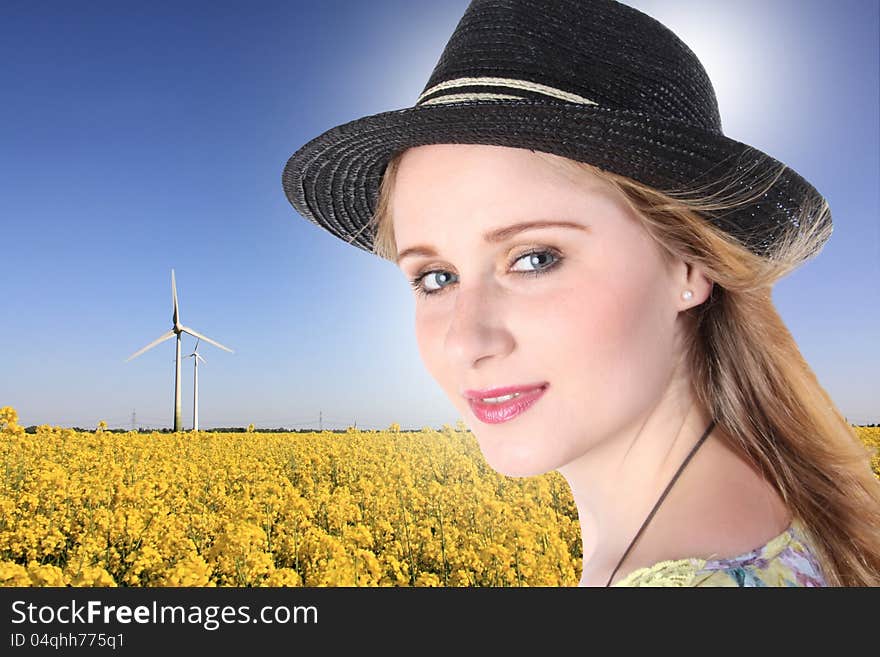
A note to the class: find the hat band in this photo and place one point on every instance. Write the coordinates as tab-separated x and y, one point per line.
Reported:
511	84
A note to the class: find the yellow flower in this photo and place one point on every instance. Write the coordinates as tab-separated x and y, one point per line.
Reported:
354	508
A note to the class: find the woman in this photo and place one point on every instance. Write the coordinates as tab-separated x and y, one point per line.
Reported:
647	362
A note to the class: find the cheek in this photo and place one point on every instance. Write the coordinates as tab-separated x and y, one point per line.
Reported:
613	346
429	337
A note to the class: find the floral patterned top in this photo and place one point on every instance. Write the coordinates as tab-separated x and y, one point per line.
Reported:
785	560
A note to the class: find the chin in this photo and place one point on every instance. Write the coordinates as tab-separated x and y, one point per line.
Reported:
518	463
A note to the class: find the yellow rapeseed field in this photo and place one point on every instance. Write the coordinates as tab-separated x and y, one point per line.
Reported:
362	508
365	508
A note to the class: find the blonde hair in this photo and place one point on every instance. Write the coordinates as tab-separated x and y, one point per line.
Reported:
747	370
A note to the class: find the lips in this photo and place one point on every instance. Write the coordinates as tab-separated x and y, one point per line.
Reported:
502	412
479	395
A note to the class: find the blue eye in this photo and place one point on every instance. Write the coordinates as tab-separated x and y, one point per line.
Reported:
533	258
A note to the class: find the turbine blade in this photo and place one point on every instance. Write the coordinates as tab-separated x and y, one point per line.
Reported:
176	315
193	333
201	358
197	345
166	336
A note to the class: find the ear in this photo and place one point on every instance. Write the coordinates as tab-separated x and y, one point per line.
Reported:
690	277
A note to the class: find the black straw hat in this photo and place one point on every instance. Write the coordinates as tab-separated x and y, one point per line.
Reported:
590	80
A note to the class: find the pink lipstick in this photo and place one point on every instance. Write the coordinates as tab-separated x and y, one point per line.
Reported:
495	412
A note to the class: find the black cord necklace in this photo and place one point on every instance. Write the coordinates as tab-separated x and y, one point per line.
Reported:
657	505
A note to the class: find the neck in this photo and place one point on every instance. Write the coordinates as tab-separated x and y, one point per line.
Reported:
616	484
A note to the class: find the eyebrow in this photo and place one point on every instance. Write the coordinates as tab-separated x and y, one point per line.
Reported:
497	235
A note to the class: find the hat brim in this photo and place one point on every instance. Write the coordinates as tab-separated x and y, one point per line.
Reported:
333	180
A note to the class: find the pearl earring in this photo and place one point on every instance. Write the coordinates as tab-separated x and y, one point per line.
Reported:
687	294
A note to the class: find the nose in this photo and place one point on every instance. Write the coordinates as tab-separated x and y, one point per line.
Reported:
477	328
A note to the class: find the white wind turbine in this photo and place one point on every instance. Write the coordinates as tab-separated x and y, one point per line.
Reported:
176	329
196	356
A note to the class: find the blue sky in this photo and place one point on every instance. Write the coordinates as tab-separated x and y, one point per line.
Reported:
137	137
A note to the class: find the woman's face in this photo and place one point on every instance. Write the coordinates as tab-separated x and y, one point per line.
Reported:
589	310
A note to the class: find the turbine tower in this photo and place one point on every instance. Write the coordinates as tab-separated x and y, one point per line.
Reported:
196	356
176	329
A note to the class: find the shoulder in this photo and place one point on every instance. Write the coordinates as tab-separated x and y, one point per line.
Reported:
786	560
